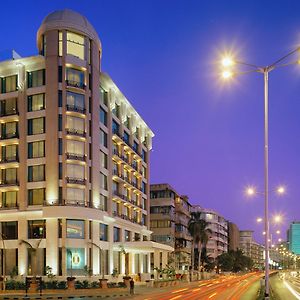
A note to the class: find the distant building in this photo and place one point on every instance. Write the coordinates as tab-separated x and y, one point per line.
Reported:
294	237
169	217
251	248
233	236
218	241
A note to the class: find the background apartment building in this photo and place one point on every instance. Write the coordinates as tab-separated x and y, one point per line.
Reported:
294	237
218	240
170	214
74	160
233	236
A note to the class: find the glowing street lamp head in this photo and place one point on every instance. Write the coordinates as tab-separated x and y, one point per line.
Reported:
227	62
250	191
281	190
259	220
279	240
278	231
264	233
277	218
227	74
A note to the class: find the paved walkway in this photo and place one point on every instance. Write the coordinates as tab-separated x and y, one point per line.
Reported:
280	292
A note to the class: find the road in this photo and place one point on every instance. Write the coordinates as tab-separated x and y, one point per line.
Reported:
233	287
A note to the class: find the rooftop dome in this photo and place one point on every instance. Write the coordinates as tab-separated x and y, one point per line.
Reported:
68	19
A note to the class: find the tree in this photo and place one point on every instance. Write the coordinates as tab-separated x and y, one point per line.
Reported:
200	232
225	262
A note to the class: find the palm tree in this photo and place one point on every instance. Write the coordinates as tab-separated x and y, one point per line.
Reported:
200	233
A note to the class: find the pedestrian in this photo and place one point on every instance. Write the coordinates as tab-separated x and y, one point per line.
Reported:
131	287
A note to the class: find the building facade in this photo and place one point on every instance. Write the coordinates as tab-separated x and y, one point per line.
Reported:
294	237
218	240
233	236
169	218
75	159
251	248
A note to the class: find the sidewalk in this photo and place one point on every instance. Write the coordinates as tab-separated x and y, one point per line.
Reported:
279	291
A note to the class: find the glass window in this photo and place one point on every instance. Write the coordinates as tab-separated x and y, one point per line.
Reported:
115	128
9	107
135	146
36	126
103	232
75	229
10	199
103	181
9	153
103	160
75	78
36	149
116	111
9	130
75	124
117	237
60	99
9	230
75	147
103	116
127	236
36	78
75	171
37	229
60	43
75	100
103	96
9	176
75	196
75	44
144	155
36	102
9	84
103	203
36	196
36	173
137	236
126	137
103	138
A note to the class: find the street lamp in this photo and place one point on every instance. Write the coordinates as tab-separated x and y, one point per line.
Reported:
229	65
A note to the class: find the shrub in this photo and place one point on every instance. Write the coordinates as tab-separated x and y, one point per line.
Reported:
94	284
81	284
61	285
121	285
51	285
111	284
15	285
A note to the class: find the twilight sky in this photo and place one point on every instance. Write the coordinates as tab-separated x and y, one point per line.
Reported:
209	136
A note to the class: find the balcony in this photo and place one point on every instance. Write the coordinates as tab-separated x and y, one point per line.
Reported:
9	135
75	108
6	160
127	218
77	132
9	112
68	202
125	198
13	182
73	180
9	206
76	156
76	84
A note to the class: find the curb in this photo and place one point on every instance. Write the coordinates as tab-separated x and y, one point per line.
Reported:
62	297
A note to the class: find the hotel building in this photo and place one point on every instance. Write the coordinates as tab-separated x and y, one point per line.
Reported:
169	217
294	237
75	158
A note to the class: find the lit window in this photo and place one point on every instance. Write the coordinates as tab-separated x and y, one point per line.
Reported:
75	45
36	126
75	100
103	160
103	181
75	229
103	138
75	147
103	232
60	43
36	102
9	199
9	176
9	153
75	196
37	229
36	196
75	171
36	173
75	124
9	130
9	84
36	78
36	149
9	107
75	78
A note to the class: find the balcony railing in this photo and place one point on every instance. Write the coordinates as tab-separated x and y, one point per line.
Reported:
9	135
9	182
68	202
76	156
124	197
6	160
76	132
75	108
74	83
9	206
127	218
75	180
9	112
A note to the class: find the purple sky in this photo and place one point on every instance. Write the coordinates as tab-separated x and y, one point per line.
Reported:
209	137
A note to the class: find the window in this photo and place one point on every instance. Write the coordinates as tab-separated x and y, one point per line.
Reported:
75	125
103	232
144	187
60	98
75	101
36	102
9	84
127	236
36	196
115	128
9	176
103	203
103	160
135	146
126	137
103	181
60	73
9	130
137	236
75	147
103	116
36	173
144	157
10	199
44	46
75	171
36	78
75	229
144	171
36	126
127	122
9	107
103	138
37	229
60	43
9	153
117	237
75	44
116	111
103	96
161	224
9	230
36	149
75	196
75	78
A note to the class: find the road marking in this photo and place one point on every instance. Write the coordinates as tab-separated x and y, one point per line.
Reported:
212	295
176	297
195	290
202	284
210	285
296	294
178	291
